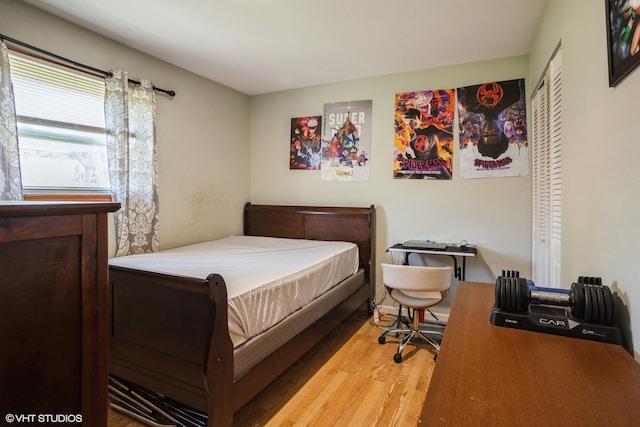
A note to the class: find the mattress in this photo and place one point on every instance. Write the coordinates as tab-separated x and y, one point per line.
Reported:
267	278
250	352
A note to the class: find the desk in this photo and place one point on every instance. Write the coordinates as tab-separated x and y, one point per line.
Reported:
453	251
487	375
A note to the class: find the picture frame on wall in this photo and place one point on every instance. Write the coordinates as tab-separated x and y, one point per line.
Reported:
623	38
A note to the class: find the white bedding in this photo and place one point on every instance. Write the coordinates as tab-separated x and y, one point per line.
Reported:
267	278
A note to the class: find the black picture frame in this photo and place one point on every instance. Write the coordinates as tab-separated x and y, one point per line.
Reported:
623	39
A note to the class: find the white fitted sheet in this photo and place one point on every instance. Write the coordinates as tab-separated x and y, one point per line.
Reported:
267	278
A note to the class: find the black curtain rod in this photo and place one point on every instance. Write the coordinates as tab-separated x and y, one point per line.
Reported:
77	64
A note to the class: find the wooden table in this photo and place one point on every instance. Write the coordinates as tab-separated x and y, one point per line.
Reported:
487	375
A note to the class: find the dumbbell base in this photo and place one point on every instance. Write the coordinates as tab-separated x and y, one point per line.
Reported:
557	321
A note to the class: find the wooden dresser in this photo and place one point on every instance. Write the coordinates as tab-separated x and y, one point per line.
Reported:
54	312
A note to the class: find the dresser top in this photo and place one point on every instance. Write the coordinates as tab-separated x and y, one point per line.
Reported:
44	208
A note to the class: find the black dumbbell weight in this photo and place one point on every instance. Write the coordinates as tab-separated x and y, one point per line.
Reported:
512	294
592	303
600	301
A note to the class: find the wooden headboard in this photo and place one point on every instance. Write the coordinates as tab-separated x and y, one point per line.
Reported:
349	224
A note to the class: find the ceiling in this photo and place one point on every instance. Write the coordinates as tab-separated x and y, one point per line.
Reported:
262	46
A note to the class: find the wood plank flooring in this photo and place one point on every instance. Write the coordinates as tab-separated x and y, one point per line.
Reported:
347	380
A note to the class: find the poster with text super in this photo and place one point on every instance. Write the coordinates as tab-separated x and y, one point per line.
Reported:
423	139
492	120
346	141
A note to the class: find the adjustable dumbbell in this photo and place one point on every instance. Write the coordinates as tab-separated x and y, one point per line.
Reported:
591	301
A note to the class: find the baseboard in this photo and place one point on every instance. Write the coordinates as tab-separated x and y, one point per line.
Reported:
388	310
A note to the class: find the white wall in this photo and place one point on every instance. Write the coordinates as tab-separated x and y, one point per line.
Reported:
493	213
601	148
202	133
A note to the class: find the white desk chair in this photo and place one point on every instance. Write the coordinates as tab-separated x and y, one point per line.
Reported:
416	288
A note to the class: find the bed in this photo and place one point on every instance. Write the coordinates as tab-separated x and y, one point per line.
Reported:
178	334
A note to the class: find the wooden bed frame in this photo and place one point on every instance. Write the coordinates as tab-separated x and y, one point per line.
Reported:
170	334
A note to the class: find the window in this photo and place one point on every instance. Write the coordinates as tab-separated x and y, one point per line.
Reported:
61	132
547	176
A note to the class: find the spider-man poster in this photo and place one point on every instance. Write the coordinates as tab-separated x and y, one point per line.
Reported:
423	138
493	130
346	141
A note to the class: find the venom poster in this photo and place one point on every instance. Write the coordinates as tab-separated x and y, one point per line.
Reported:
492	120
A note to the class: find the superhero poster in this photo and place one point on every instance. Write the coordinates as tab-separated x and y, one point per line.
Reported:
423	138
623	37
492	121
346	141
306	138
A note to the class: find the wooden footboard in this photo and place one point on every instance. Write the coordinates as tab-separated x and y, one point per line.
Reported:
170	334
161	329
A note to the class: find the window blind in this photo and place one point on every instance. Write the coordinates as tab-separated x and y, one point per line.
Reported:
61	133
44	91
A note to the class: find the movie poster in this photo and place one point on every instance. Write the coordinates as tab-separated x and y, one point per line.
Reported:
306	139
346	141
492	121
423	139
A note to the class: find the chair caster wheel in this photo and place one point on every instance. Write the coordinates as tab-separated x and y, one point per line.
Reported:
397	358
382	340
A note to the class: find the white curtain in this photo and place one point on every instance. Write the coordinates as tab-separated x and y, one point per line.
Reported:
10	177
130	112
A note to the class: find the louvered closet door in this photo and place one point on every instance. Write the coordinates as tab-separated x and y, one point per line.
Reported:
547	176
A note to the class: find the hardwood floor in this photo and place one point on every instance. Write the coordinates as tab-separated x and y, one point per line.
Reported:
347	380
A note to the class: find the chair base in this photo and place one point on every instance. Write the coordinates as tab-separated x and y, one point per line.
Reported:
400	322
410	334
